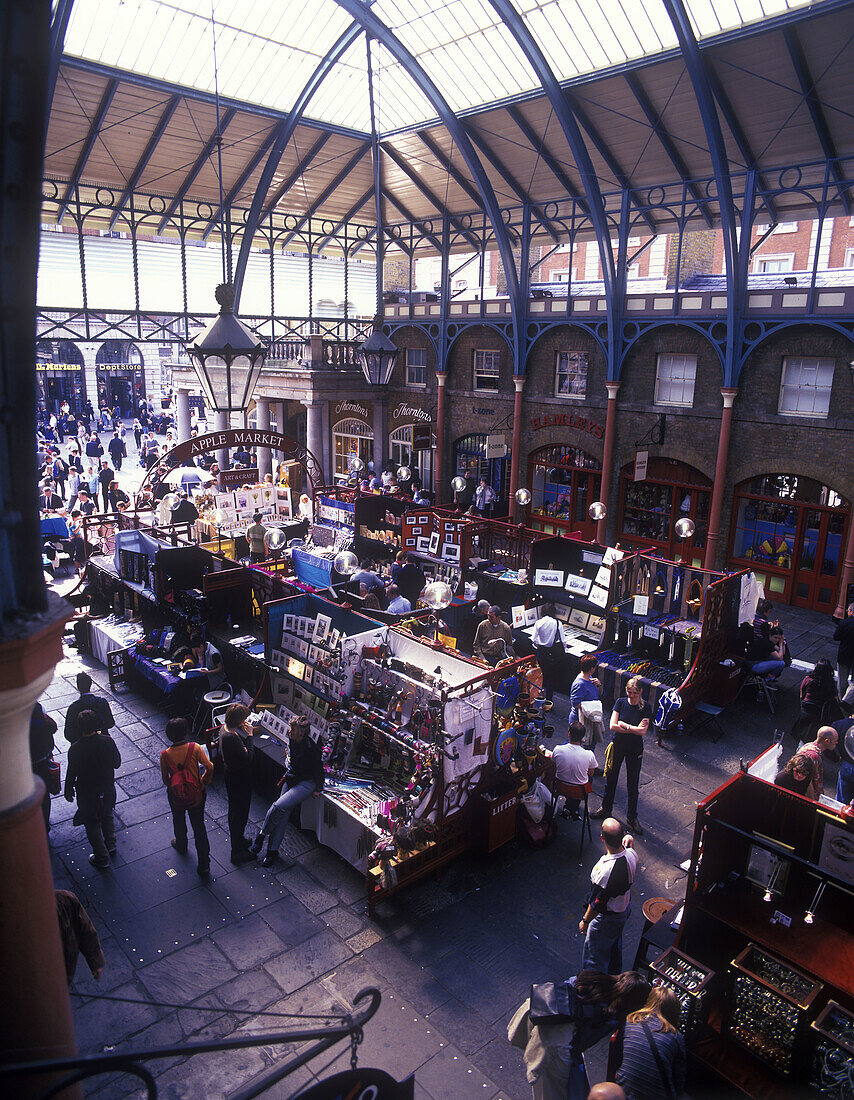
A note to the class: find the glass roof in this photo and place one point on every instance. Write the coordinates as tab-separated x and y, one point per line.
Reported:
266	50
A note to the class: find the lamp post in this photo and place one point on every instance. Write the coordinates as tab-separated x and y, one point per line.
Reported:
377	356
228	358
437	596
684	528
523	499
274	540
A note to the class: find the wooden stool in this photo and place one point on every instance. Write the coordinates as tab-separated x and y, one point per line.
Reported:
652	934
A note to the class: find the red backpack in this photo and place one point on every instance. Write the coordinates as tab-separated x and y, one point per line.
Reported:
185	786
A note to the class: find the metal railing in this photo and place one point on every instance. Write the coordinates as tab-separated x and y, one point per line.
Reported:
65	1072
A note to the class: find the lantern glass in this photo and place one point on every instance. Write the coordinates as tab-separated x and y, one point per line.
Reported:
346	563
597	510
403	473
458	484
274	538
523	496
438	595
685	527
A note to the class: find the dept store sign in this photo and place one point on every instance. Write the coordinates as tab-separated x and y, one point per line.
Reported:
567	420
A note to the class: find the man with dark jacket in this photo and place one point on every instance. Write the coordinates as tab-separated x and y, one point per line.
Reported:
117	450
304	779
844	634
91	776
49	501
411	580
106	477
87	701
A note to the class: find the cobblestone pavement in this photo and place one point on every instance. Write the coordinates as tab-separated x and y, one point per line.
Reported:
453	958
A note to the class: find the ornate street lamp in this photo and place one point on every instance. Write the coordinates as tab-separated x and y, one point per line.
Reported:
228	358
377	356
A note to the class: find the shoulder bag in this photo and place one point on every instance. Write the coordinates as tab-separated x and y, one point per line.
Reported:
551	1003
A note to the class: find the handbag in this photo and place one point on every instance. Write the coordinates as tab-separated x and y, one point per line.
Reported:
551	1003
53	781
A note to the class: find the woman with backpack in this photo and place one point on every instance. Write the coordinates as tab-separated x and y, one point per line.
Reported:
186	772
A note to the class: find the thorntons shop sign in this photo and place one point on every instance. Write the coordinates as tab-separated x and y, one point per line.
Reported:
351	408
409	415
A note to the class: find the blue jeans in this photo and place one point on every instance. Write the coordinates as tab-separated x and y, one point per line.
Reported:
603	944
845	782
276	820
768	668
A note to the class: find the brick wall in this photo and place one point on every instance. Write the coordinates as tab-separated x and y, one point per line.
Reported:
697	258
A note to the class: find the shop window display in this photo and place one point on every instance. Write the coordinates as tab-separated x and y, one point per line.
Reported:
564	481
794	528
649	509
351	438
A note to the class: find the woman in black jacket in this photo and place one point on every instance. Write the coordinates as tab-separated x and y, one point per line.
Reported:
304	779
234	737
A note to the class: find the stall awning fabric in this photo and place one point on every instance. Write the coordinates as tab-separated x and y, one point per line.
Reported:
312	569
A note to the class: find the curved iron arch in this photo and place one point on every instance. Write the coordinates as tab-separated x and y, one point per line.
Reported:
545	327
702	327
772	328
463	329
596	212
382	33
390	329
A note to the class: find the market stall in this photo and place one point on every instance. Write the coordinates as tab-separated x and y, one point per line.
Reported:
671	625
497	559
767	928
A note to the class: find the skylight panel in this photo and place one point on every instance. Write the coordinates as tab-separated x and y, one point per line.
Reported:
553	43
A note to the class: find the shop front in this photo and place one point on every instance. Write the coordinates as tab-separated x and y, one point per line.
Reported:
470	457
59	375
121	381
649	509
791	531
412	441
352	437
564	481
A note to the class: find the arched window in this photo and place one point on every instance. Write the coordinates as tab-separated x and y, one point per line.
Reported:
650	508
350	438
121	382
59	374
401	453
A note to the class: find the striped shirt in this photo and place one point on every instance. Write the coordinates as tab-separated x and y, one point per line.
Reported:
612	879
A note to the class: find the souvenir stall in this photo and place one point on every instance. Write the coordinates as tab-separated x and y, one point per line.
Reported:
576	578
764	958
434	537
407	734
497	559
670	624
225	516
378	522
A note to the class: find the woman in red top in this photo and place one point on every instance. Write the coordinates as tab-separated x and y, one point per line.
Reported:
818	688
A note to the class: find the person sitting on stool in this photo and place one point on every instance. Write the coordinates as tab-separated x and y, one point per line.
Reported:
304	779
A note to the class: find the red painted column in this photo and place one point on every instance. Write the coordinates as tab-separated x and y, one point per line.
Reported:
847	571
439	486
716	506
607	457
516	446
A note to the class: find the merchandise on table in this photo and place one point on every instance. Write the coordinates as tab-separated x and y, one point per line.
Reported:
832	1065
686	978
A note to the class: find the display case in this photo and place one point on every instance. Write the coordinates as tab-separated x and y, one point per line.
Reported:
769	1006
689	980
832	1063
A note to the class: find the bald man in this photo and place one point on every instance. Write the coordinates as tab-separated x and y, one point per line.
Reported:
610	901
606	1090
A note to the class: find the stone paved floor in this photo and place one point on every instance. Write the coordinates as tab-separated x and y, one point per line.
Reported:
453	958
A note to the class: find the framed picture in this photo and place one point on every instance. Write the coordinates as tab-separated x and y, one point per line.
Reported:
279	658
409	543
308	674
322	626
579	619
289	624
518	617
334	637
451	552
596	623
313	655
837	851
433	545
603	577
768	869
530	616
422	517
422	544
599	596
578	585
549	578
419	530
562	612
296	668
244	501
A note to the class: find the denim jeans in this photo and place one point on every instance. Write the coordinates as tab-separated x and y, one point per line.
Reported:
603	944
768	668
200	833
845	782
276	820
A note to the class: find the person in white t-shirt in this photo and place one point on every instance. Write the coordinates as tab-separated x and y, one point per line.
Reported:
573	764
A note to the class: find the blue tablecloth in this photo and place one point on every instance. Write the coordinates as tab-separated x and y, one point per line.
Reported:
158	675
55	527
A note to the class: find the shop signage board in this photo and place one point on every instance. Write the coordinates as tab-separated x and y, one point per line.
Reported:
422	436
641	464
496	446
344	410
568	420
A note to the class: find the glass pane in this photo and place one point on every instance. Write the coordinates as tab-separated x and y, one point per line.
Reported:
776	584
809	546
833	545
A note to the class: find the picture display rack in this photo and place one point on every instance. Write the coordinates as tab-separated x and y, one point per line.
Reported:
434	535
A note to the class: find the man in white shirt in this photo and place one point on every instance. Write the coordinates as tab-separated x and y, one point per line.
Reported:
397	604
573	764
610	901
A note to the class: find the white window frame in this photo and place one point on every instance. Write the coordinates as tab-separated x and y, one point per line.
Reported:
849	258
805	386
487	370
559	276
785	227
675	379
787	259
413	383
576	359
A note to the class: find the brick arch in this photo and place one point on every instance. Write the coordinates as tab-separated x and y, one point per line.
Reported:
680	450
556	435
635	346
836	476
469	332
550	331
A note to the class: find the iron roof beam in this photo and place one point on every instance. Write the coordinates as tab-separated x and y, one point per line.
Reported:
428	194
514	185
410	217
382	33
88	145
253	219
455	174
354	160
148	152
288	183
819	119
240	182
58	27
198	164
354	209
539	143
659	129
610	160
